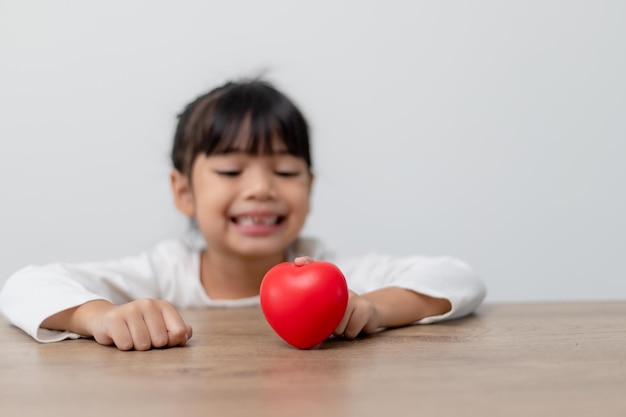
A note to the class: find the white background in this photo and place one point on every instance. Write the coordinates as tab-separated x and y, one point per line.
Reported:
493	131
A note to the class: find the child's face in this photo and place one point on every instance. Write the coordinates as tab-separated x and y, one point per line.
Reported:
249	205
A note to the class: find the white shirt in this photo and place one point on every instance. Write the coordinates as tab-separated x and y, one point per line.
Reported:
171	271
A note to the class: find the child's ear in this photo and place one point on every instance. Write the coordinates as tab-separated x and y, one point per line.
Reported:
183	194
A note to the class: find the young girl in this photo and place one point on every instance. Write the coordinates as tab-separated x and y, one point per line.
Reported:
243	173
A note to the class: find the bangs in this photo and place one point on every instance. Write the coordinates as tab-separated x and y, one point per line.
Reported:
247	134
253	118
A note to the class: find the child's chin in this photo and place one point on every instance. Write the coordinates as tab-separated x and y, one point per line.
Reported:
261	250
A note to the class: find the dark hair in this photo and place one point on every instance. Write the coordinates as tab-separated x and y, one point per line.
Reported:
214	122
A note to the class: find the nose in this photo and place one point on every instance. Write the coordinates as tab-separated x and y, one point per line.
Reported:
259	185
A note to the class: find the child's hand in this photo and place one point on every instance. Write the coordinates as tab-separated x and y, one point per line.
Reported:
384	308
361	315
141	324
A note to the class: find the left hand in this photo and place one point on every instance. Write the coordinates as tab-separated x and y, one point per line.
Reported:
361	315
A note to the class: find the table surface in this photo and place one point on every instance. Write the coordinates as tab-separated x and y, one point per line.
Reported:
561	359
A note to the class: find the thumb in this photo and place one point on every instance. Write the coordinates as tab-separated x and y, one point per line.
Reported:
303	260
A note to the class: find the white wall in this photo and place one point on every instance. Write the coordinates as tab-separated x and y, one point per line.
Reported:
493	131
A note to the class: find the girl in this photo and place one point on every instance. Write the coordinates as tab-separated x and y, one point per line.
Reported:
242	172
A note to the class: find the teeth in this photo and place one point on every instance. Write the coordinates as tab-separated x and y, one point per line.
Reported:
256	220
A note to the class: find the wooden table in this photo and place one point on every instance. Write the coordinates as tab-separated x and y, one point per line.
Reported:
557	359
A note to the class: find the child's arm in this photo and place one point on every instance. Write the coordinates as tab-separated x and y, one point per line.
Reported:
391	292
141	324
41	299
387	307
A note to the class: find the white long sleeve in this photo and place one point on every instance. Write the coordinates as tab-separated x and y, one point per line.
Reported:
171	271
439	277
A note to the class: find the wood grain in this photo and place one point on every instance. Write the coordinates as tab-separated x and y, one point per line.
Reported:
562	359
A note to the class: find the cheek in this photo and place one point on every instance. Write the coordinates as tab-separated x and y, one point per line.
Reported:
301	200
212	199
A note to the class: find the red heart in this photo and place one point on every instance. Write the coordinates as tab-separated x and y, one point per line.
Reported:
304	304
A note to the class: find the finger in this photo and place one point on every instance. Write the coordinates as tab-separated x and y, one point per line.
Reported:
357	322
156	327
103	339
139	332
101	321
177	330
303	260
120	335
341	327
103	335
370	327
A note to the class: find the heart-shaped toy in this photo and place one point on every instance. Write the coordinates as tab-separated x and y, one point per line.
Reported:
304	304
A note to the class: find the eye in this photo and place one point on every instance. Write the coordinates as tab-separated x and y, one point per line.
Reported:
228	173
287	173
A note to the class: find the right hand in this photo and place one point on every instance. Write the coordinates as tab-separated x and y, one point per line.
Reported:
141	324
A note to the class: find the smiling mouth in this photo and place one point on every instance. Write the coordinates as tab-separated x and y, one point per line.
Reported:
258	220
